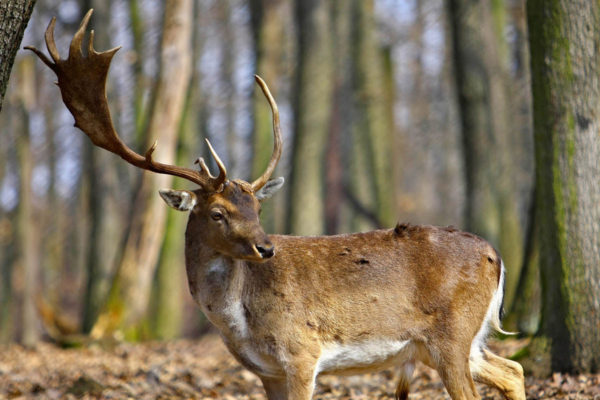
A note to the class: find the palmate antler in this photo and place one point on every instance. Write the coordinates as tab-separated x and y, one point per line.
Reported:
82	83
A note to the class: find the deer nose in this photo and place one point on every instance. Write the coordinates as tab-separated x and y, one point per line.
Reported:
266	251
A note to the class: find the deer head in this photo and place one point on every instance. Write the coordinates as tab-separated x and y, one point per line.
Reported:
227	209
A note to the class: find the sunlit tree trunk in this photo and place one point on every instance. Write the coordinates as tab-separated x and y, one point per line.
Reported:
481	65
565	65
131	288
14	16
312	109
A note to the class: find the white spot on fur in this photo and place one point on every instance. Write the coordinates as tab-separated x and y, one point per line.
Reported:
236	319
338	357
217	265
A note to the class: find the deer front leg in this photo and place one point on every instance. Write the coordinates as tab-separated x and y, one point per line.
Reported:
301	382
300	371
276	388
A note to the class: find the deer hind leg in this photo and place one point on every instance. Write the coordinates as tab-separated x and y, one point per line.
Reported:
506	375
452	364
404	381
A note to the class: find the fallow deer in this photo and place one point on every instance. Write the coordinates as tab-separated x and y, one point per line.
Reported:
291	308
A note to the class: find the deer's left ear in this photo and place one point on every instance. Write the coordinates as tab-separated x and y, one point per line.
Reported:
270	188
181	200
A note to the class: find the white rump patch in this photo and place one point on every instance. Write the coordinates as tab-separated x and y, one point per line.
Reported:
491	320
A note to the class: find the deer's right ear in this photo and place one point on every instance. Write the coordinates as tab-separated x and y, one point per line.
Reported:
181	200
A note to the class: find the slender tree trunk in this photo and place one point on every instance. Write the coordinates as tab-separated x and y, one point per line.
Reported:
7	261
166	319
314	91
373	129
99	188
137	30
338	159
130	292
228	37
565	65
14	16
525	311
27	233
480	62
268	27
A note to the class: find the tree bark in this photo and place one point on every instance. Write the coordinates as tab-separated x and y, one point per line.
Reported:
565	64
480	62
14	16
338	153
101	192
372	128
28	236
312	108
131	288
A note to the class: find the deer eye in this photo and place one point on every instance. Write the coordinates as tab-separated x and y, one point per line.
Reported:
216	215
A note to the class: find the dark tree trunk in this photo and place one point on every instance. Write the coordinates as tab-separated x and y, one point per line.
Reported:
565	65
312	109
14	16
480	62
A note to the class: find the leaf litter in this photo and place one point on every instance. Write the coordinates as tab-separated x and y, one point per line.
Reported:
204	369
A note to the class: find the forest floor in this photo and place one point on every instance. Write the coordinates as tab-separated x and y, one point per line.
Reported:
203	369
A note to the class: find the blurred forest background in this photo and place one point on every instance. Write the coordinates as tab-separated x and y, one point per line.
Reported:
392	110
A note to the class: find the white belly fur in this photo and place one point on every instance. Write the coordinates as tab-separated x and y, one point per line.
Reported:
363	356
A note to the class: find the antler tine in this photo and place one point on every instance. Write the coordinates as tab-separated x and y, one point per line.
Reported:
222	170
91	43
50	43
277	140
203	167
78	37
49	36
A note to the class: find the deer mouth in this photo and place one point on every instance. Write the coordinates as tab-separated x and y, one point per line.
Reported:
263	252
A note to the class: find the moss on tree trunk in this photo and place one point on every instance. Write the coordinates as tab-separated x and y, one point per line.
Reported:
565	63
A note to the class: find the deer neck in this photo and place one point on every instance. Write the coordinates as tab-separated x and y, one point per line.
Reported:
216	283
